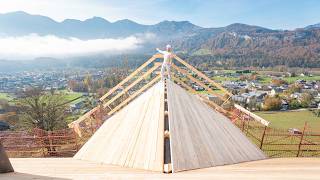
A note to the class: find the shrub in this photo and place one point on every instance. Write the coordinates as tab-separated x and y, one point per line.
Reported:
272	103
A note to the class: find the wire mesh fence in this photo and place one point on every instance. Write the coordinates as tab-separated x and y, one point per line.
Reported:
40	143
65	143
282	142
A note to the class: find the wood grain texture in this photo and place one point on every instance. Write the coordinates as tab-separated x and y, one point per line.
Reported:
202	137
68	168
133	137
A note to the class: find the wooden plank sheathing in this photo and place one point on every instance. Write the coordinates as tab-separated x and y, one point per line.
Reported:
132	137
200	137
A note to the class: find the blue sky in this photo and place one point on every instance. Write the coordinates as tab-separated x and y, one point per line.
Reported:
275	14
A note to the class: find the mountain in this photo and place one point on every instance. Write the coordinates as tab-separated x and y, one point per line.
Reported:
234	45
255	46
314	26
21	23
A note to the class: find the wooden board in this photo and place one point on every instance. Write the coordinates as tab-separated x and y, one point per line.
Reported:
202	137
68	168
134	95
252	115
133	137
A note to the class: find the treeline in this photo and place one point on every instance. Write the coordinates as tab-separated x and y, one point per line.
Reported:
99	85
256	60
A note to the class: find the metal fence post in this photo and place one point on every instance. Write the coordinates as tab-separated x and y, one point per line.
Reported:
263	135
301	139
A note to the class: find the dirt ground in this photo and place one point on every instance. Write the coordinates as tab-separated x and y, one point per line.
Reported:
68	168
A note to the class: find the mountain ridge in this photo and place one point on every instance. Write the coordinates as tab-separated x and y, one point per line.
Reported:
240	43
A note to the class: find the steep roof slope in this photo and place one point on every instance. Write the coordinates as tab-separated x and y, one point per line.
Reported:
201	137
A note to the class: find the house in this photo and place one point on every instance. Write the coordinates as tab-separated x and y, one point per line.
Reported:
251	99
276	91
296	95
4	126
198	88
284	105
76	106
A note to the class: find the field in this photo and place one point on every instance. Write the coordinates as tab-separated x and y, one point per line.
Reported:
5	96
218	91
307	78
291	119
70	95
264	79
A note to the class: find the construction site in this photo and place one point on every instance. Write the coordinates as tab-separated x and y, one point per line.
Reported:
149	127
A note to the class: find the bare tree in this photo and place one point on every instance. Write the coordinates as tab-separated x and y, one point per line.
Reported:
39	109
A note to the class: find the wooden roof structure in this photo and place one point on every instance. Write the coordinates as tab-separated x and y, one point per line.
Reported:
167	129
159	126
133	85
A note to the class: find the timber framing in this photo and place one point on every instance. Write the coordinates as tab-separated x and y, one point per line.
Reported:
107	101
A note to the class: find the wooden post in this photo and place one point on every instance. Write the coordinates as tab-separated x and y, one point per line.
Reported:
76	140
263	135
248	124
243	124
38	135
301	139
91	126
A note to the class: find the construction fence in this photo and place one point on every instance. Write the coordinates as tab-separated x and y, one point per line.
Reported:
281	142
65	143
40	143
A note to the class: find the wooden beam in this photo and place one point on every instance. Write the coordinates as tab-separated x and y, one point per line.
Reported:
216	106
134	95
183	84
202	75
129	77
88	114
84	117
253	116
197	81
132	84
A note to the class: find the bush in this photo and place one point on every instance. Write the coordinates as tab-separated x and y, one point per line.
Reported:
294	104
306	100
272	103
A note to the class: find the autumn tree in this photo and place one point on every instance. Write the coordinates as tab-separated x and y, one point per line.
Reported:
272	103
88	83
306	100
278	82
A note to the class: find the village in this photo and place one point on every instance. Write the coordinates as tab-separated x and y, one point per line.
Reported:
257	91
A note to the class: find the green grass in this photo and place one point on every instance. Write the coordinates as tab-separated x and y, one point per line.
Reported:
265	79
6	96
70	95
219	78
291	119
202	52
307	78
218	91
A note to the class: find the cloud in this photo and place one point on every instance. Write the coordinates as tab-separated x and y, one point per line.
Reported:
33	45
